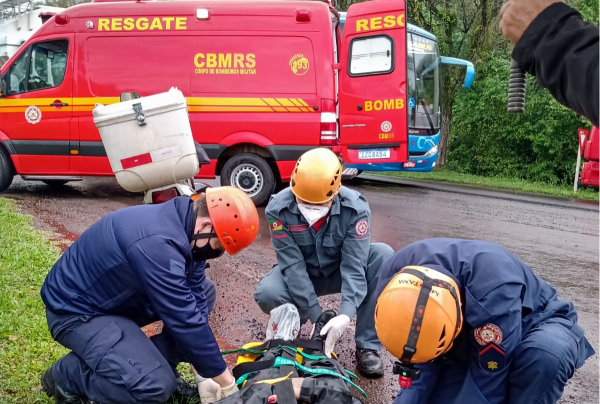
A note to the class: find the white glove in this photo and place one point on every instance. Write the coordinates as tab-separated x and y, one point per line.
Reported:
209	390
334	330
229	390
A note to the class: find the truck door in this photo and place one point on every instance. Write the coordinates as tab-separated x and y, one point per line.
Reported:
37	106
372	96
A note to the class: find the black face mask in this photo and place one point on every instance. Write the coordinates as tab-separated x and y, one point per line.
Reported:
206	252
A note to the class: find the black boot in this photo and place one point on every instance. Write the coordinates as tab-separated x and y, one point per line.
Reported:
320	323
52	389
369	362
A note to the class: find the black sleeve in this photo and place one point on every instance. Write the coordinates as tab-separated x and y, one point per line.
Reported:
561	50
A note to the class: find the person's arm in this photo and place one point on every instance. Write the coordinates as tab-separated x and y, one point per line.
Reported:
293	269
160	264
560	50
353	267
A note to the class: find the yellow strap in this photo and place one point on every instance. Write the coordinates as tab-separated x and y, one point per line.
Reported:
279	379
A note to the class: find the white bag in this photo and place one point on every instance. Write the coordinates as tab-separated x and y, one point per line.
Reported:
284	322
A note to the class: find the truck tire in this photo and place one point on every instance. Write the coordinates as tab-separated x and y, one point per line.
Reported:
252	174
55	183
7	170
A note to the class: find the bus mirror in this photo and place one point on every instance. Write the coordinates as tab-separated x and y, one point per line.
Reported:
469	76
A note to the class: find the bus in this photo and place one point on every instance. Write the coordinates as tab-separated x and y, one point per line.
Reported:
424	99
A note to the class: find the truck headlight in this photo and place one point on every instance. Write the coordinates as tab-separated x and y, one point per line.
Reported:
431	151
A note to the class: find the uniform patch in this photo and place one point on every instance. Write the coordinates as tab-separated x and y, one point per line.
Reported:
492	358
362	227
275	225
298	228
488	333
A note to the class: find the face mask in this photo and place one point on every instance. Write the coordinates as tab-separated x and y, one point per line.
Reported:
313	213
206	252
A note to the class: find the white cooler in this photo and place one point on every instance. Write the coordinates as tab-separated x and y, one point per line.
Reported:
148	140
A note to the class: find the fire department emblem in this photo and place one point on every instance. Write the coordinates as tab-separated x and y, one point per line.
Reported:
362	228
488	333
386	126
33	114
299	64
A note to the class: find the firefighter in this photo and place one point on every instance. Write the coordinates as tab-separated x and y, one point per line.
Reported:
479	324
133	267
320	231
553	43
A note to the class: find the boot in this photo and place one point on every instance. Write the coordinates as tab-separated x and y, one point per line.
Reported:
369	362
52	389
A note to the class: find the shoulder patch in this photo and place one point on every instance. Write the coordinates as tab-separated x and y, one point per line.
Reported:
492	358
362	227
275	225
489	333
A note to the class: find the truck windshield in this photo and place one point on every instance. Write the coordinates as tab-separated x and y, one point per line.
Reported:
423	71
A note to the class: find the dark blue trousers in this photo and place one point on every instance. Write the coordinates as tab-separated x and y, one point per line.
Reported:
112	361
543	362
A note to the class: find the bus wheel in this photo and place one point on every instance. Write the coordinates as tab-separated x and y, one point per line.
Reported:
55	183
7	171
250	173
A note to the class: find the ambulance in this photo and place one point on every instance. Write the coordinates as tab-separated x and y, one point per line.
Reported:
264	82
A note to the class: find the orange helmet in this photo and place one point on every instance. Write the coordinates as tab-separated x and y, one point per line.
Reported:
317	177
234	217
418	314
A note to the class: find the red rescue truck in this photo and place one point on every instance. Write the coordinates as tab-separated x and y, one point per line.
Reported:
590	174
265	81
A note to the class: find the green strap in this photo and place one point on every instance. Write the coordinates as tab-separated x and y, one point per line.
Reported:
305	355
315	371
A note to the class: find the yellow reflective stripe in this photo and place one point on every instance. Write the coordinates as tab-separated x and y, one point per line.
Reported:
272	102
302	102
280	109
296	102
225	101
285	102
26	102
229	109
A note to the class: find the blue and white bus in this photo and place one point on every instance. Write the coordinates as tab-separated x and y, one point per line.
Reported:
423	67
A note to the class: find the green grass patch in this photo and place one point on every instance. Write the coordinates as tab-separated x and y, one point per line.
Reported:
500	183
26	347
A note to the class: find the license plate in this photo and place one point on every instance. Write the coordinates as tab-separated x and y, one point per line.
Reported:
372	154
409	164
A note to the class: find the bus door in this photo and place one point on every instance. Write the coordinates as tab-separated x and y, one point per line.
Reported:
372	96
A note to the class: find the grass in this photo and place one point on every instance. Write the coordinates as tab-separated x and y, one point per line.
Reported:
501	183
26	347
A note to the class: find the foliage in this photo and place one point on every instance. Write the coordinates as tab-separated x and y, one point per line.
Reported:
539	145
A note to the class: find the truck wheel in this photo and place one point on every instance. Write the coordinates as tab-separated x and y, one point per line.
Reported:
55	183
250	173
7	170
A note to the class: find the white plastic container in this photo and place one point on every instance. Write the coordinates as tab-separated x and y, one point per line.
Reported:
155	153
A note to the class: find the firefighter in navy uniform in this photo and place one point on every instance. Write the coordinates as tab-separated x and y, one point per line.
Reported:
480	326
133	267
320	231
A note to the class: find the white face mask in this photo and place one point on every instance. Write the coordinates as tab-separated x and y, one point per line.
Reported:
313	213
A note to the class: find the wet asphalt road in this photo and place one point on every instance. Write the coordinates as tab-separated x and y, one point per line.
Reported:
557	238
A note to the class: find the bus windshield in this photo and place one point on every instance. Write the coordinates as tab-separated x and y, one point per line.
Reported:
423	71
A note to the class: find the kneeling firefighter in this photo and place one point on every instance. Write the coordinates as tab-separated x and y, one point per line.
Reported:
321	234
471	323
134	267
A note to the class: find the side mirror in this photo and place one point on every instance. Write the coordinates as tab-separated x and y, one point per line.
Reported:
469	76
